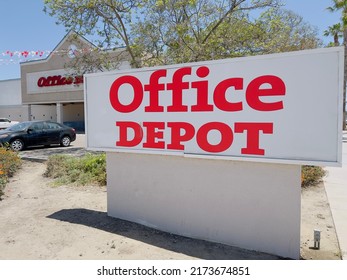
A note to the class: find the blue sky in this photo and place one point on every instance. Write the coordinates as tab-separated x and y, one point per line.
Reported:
25	27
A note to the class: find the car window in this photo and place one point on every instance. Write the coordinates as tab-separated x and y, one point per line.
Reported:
37	126
18	127
4	120
52	126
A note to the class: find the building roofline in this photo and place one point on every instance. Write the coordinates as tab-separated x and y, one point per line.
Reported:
70	33
11	79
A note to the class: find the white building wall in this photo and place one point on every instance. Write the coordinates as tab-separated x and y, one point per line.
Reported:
10	93
73	112
18	113
43	112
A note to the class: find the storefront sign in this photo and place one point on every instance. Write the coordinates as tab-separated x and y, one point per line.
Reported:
59	80
53	81
277	108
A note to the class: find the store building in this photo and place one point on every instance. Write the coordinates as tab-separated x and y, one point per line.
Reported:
47	90
11	101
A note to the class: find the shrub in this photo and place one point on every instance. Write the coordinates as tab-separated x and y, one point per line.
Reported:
91	170
311	175
9	164
87	170
56	166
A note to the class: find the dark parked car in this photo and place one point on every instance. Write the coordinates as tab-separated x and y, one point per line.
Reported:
37	133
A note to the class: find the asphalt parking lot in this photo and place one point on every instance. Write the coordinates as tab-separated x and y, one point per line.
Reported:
41	154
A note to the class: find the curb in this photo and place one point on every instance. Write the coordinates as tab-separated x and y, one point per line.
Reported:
40	160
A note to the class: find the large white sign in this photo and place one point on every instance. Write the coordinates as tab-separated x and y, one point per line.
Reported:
284	108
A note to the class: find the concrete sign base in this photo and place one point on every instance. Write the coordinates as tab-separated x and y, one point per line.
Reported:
250	205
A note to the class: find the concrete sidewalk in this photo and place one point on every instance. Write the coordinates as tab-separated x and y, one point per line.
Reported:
336	189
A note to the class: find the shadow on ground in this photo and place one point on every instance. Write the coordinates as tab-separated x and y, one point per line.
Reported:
188	246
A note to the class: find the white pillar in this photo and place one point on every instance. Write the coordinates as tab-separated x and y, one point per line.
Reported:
26	113
249	205
60	113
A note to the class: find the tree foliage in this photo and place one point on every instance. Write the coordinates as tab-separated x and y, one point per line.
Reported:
157	32
284	31
336	31
340	5
109	20
170	39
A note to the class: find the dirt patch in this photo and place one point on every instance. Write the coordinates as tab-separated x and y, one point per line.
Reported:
38	221
316	215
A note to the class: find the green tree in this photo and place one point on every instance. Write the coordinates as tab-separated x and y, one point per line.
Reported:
158	32
116	22
336	31
173	31
108	20
276	30
284	31
341	6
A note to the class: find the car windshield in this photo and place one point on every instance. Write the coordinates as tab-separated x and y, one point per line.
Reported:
18	126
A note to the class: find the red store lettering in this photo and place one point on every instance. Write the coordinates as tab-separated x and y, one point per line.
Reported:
180	133
59	80
254	91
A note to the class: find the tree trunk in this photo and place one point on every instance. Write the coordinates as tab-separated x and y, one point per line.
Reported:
336	40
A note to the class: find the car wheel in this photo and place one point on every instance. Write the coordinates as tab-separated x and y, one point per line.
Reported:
17	145
65	141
